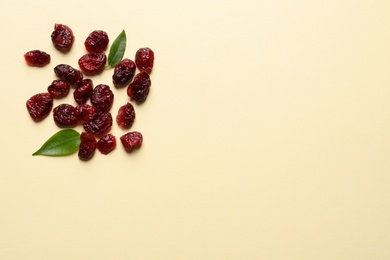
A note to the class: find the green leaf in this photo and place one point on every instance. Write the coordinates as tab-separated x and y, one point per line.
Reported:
117	49
64	142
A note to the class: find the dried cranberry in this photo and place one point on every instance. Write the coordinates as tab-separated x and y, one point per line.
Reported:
144	58
100	125
123	72
106	144
87	146
92	63
96	41
65	115
39	106
37	58
86	112
58	88
102	97
83	91
138	90
131	141
68	73
62	37
126	116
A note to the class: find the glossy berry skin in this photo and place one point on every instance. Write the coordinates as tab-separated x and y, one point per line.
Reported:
138	90
92	63
100	125
83	91
87	146
37	58
68	73
102	97
39	106
123	72
65	115
131	141
86	112
106	144
126	116
62	37
144	59
58	88
97	41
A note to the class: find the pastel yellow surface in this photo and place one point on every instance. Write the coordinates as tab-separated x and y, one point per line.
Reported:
266	134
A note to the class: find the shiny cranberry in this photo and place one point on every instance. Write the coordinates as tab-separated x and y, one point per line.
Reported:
131	141
87	146
62	37
86	112
102	97
68	73
37	58
96	41
58	88
65	115
144	58
138	90
106	144
83	91
123	72
126	116
92	63
39	106
100	125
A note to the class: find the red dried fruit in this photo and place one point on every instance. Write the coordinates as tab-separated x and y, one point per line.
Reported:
62	37
123	72
138	90
126	116
65	115
92	63
83	91
87	146
86	112
100	125
39	106
58	88
68	73
106	144
37	58
131	141
102	97
97	41
144	58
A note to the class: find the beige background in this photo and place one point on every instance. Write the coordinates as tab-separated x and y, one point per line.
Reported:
267	134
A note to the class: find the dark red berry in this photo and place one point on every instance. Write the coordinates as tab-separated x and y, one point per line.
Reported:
58	88
68	73
92	63
126	116
144	58
96	41
131	141
100	125
123	72
102	97
83	91
87	146
39	106
65	115
106	144
37	58
62	37
138	90
86	112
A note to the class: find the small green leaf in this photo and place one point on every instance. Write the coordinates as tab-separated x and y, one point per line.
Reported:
117	49
64	142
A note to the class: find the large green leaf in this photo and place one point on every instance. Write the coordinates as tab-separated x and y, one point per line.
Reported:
64	142
117	49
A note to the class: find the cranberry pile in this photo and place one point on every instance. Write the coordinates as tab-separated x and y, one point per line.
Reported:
92	102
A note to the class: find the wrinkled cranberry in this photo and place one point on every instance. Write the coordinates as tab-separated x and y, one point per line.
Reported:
138	90
106	144
86	112
68	73
58	88
65	115
102	97
144	58
126	116
131	141
96	41
92	63
39	106
123	72
62	37
87	146
37	58
100	125
83	91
